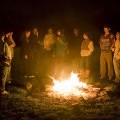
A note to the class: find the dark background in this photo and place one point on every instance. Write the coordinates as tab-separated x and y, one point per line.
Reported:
88	15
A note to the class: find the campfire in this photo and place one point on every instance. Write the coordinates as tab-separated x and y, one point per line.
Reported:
72	86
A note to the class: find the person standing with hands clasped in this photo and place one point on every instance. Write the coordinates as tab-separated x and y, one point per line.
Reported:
87	49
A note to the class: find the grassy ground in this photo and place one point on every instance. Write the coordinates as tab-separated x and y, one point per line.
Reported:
35	104
30	105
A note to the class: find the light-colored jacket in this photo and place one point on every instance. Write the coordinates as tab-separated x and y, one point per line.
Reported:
11	45
117	50
87	48
49	41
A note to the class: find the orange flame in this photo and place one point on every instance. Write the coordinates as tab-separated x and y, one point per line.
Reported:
69	86
73	87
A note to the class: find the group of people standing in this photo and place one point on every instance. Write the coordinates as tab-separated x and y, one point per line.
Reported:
54	54
43	55
110	55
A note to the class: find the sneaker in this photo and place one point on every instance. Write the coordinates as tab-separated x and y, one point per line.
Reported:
116	80
25	76
110	78
4	92
31	76
102	78
9	82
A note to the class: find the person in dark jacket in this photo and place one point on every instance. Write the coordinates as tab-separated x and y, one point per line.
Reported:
26	54
60	52
74	49
37	50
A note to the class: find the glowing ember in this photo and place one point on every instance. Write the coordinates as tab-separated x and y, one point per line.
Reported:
73	87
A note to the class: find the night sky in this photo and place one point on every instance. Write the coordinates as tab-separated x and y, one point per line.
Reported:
87	14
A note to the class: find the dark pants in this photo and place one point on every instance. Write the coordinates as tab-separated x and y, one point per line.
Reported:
48	61
9	72
85	63
3	76
36	60
85	67
59	65
74	60
27	67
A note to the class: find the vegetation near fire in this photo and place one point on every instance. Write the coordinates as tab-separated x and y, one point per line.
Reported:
29	99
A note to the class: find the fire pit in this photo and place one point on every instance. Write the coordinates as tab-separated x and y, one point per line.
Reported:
72	87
